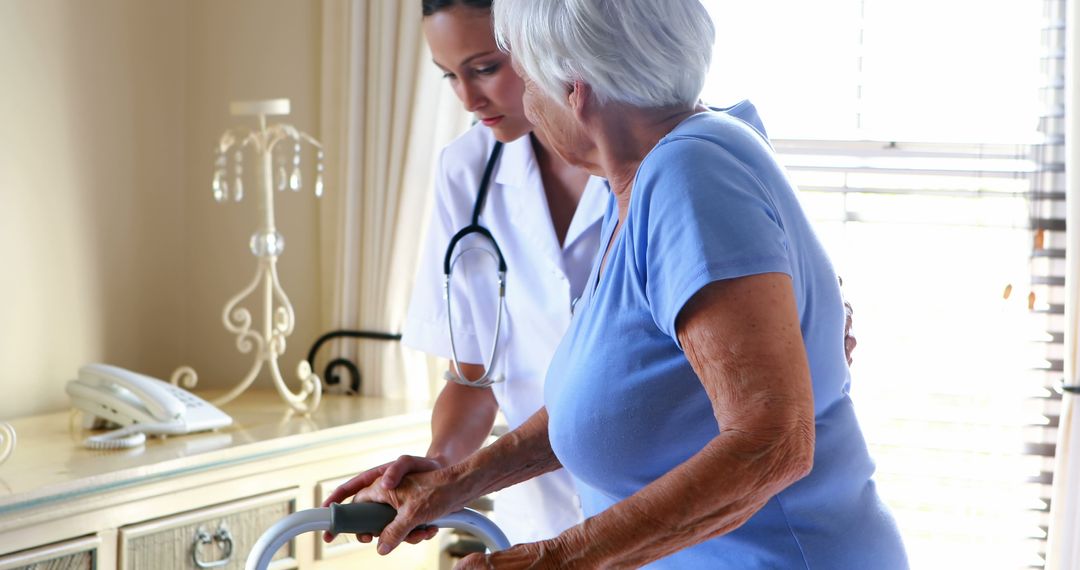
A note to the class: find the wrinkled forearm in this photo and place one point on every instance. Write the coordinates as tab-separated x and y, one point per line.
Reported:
520	455
743	340
692	503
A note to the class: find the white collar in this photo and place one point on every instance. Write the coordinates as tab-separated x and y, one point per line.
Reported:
519	174
516	164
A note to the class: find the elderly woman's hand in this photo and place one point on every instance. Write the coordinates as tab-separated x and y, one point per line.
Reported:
419	498
388	475
423	496
529	555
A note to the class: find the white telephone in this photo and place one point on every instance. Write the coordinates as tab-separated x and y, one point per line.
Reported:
140	405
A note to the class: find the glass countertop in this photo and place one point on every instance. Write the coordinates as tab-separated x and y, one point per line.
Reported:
50	463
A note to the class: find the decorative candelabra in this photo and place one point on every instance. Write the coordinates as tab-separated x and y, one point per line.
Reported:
7	441
277	151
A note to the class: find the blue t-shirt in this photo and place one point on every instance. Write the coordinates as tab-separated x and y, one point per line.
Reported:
710	202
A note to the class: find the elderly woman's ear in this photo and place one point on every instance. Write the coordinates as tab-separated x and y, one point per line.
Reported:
578	98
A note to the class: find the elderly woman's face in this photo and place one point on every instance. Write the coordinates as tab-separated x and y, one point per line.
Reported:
463	46
555	122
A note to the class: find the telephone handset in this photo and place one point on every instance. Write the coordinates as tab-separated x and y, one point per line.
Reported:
140	405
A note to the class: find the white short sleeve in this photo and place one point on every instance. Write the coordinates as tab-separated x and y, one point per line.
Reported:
425	322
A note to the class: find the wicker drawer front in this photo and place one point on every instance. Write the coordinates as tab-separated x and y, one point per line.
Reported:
80	561
215	537
78	554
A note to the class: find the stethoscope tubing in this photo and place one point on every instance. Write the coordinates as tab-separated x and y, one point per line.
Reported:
489	376
449	261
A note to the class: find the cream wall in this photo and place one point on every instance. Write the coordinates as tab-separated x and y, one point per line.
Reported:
111	248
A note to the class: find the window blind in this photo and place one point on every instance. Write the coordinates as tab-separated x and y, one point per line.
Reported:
1048	213
966	460
962	431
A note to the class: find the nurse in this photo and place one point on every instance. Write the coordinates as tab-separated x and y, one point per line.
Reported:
545	216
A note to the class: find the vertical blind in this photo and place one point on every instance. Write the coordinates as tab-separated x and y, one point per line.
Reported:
1048	213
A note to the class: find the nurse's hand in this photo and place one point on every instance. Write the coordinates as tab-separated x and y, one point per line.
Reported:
849	339
388	475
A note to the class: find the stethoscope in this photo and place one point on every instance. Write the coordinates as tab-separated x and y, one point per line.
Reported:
449	262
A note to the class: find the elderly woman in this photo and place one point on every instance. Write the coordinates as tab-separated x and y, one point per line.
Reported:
700	396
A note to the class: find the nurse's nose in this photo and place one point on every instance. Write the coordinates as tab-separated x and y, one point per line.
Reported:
471	96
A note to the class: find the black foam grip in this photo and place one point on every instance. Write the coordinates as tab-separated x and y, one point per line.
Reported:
360	518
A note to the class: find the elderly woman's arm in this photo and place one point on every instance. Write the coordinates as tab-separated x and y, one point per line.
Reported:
421	497
743	340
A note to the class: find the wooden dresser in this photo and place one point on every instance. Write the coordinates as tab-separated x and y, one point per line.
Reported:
200	500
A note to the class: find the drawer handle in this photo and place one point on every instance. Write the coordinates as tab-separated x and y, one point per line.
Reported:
202	537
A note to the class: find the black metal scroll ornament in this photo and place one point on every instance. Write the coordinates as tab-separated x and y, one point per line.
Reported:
329	376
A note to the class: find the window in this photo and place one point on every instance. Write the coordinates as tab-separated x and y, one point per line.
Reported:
892	70
924	137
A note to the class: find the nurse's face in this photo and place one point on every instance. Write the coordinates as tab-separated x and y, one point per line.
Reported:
463	46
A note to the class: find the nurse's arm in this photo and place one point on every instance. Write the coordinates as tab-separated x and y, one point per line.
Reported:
460	423
743	340
462	418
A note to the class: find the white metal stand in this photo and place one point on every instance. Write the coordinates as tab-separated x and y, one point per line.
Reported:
266	244
7	441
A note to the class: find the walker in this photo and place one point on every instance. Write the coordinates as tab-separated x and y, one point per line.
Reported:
362	518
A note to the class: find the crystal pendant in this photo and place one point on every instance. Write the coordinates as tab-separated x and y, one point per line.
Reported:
282	178
219	186
294	180
219	191
318	175
267	244
238	174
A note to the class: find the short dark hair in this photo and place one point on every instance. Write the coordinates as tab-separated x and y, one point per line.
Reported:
432	6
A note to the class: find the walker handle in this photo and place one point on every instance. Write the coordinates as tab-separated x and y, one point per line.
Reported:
360	518
372	518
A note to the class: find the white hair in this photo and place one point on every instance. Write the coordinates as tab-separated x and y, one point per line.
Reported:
646	53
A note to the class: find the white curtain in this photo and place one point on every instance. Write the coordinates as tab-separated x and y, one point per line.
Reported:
1064	544
386	113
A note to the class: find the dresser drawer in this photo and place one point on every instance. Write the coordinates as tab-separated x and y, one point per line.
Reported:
79	554
214	537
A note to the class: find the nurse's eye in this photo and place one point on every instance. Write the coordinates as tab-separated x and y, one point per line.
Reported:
450	76
487	69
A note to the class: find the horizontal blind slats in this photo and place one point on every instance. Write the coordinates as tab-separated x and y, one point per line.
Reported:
981	445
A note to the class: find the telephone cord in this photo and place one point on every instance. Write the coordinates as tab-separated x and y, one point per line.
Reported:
123	438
